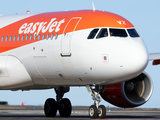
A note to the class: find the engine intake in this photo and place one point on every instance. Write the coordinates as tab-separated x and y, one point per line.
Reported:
132	93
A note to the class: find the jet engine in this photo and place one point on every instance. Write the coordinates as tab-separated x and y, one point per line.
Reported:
132	93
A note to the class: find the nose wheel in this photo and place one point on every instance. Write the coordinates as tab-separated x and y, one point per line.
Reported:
93	111
96	110
102	111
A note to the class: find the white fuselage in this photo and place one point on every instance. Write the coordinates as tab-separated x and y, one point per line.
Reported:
70	59
126	58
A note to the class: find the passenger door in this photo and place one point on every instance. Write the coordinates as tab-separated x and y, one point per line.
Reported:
67	35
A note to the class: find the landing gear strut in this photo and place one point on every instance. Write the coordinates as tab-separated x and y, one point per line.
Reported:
96	110
62	104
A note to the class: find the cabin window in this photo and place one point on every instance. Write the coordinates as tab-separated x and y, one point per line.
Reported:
31	37
39	37
22	38
18	38
93	33
26	37
10	38
47	36
35	36
6	39
43	36
14	38
132	32
117	32
52	36
56	36
2	39
103	33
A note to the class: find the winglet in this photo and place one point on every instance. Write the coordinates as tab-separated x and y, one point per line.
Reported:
93	7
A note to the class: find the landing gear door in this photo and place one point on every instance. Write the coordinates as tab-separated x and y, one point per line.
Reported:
67	35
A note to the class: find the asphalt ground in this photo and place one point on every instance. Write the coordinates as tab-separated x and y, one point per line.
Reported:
78	113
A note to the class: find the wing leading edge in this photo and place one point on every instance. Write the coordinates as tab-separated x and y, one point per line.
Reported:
155	57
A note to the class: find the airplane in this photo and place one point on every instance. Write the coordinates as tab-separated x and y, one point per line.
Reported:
57	50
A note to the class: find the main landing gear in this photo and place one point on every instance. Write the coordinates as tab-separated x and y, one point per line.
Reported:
96	110
62	104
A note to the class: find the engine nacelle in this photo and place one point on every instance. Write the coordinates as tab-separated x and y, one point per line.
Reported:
131	93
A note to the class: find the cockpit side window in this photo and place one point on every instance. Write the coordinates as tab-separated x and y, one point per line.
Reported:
93	33
117	32
133	32
102	33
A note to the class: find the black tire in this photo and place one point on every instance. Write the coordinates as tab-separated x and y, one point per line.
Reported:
93	112
65	108
102	111
50	108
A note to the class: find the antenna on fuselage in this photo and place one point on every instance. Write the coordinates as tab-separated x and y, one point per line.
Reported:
93	7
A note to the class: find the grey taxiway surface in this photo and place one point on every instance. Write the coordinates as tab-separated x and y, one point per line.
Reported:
37	113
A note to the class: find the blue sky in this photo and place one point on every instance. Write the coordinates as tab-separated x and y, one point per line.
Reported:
143	14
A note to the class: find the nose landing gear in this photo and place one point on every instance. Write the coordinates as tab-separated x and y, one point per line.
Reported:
96	110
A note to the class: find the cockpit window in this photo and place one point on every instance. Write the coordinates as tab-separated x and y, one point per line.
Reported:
117	32
93	33
133	32
102	33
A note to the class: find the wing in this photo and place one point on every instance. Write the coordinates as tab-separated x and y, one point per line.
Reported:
155	57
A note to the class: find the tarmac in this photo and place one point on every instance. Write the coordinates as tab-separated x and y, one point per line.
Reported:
78	113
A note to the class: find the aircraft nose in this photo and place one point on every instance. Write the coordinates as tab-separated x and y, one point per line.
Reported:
135	58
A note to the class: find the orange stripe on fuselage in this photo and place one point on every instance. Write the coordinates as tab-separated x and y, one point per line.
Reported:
31	25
